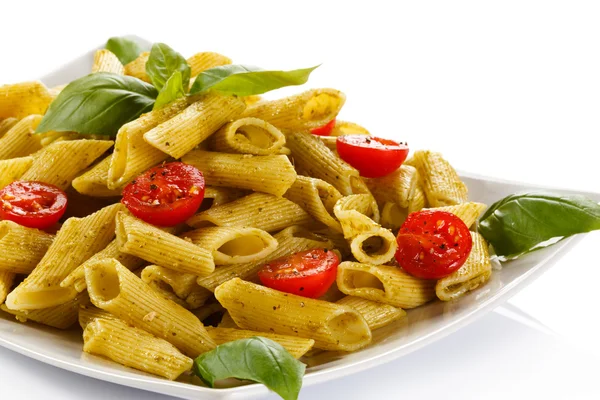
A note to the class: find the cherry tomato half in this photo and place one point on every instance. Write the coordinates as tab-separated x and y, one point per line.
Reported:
372	156
433	244
324	130
32	204
307	273
166	195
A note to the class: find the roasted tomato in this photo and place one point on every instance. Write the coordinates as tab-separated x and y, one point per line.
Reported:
373	157
32	204
324	130
166	195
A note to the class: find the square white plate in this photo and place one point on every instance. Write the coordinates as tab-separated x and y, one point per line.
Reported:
423	325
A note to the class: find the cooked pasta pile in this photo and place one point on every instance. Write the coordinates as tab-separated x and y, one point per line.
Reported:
141	292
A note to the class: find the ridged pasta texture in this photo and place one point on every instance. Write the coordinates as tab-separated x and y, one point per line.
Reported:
62	316
89	312
376	314
12	169
114	288
183	286
397	187
331	326
21	248
248	136
22	99
106	61
21	140
134	348
202	61
467	212
94	182
137	67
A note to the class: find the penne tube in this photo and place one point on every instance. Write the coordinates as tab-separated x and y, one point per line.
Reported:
291	240
186	130
12	169
296	346
314	159
132	154
94	182
338	240
318	198
330	142
89	312
137	68
304	111
215	196
376	314
418	201
106	61
22	99
21	248
441	183
21	139
226	322
272	174
115	289
248	136
258	210
348	128
184	286
77	277
62	316
397	187
156	246
6	281
393	216
384	284
468	212
200	62
331	326
77	240
55	91
134	348
7	124
60	162
475	272
233	245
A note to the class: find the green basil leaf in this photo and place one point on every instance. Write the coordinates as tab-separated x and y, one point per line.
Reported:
98	104
163	62
520	223
243	80
125	49
172	90
257	359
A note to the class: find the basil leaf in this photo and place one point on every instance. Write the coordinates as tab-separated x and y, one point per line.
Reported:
172	90
125	49
519	223
257	359
163	62
243	80
98	104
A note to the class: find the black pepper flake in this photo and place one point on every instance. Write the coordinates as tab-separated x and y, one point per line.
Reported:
133	182
152	176
164	173
167	144
153	187
301	288
274	308
325	250
442	246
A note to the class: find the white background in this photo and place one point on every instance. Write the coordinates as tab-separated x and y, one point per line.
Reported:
505	88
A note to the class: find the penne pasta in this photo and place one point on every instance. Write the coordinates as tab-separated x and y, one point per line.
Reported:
215	196
291	240
296	346
12	169
475	272
348	128
331	326
384	284
304	111
7	124
233	245
376	314
468	212
418	201
22	99
397	187
21	139
258	210
226	322
21	248
89	312
94	182
137	68
115	289
6	281
62	316
76	241
184	286
393	216
134	348
248	136
318	198
441	183
106	61
186	130
60	162
200	62
156	246
272	174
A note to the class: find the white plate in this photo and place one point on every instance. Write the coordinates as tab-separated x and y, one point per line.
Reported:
424	325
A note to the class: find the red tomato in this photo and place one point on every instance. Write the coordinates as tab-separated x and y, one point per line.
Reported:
166	195
324	130
433	244
372	156
32	204
307	273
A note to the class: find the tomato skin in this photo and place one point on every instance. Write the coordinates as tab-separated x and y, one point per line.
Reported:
32	204
433	244
166	195
373	157
324	130
308	273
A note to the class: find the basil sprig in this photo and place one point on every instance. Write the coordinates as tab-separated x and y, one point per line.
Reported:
98	104
256	359
244	80
125	49
172	90
169	73
521	223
